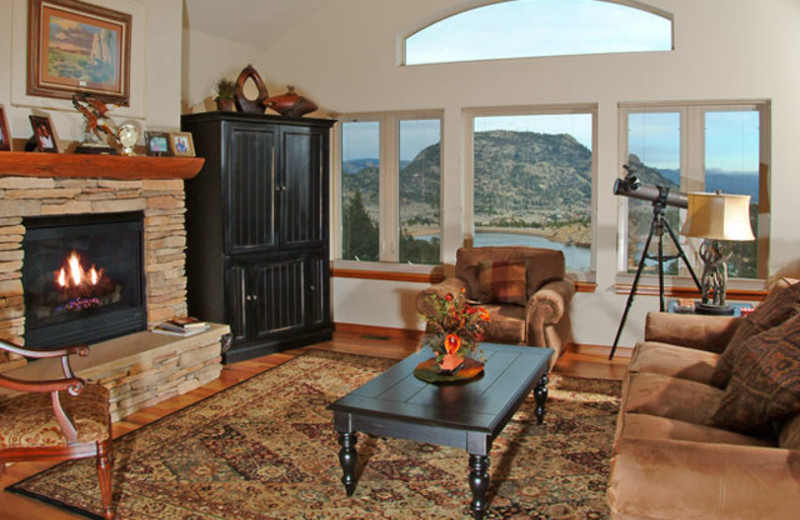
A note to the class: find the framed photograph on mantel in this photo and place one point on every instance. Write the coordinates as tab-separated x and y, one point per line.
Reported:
78	47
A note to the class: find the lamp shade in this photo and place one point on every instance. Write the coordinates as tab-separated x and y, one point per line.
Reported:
718	216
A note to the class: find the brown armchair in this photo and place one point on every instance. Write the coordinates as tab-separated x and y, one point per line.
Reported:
532	289
56	419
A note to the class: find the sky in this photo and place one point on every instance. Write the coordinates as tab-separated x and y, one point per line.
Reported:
530	28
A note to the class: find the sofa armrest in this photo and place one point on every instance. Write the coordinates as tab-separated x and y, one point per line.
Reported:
711	333
666	479
448	285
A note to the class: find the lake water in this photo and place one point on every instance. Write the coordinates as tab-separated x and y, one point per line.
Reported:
577	258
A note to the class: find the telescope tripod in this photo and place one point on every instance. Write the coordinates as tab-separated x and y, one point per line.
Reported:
657	227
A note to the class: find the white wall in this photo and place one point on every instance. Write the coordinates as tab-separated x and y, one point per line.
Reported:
207	58
345	58
155	55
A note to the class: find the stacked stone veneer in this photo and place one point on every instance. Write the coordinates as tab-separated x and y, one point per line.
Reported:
135	382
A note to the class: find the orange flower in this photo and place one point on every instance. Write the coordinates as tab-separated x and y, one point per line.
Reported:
452	343
484	314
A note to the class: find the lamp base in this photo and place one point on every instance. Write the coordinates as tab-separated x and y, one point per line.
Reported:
713	310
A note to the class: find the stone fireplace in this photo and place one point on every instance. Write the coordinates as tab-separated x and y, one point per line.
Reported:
142	368
161	203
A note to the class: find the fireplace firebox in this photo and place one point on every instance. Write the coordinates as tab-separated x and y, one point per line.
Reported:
83	278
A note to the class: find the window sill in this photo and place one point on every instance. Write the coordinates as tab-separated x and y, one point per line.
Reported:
683	287
429	274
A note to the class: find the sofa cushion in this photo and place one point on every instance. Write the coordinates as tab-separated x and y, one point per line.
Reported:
779	305
667	479
765	385
670	360
503	281
645	426
670	397
507	324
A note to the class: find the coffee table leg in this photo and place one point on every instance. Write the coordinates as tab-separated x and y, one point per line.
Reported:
348	458
478	484
541	397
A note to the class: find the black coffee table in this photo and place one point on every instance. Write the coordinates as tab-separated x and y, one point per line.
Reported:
468	416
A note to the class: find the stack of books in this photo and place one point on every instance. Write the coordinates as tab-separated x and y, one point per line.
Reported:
182	326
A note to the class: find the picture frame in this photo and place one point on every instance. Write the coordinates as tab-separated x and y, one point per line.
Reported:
157	143
5	135
44	138
181	144
78	47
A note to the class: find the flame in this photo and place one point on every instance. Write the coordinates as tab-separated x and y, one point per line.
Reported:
73	275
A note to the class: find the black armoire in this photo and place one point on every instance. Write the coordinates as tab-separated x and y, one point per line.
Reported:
257	229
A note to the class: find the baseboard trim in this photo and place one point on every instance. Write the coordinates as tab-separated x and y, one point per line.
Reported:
372	330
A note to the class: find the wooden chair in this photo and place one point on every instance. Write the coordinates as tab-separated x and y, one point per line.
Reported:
56	419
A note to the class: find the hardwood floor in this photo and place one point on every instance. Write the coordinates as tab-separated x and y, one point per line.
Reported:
17	507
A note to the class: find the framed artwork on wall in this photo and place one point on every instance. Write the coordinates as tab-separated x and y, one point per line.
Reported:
5	135
78	47
44	137
181	143
157	143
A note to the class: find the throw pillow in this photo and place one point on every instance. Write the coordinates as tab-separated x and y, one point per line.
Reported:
503	282
779	306
765	385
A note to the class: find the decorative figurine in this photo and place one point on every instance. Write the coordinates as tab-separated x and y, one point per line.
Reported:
243	104
95	112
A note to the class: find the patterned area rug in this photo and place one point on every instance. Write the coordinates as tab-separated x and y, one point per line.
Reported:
265	449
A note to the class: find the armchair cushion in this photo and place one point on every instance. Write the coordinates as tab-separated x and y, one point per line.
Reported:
780	305
507	324
28	419
503	281
765	385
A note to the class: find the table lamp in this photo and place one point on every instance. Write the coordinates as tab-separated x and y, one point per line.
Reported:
717	218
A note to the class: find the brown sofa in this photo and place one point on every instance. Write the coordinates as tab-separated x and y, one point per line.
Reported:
678	454
539	316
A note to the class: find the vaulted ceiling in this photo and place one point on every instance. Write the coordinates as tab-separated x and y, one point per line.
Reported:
255	22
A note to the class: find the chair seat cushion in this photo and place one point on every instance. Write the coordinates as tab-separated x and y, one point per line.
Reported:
507	324
28	419
670	360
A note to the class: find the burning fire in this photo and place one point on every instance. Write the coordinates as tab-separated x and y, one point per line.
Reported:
73	275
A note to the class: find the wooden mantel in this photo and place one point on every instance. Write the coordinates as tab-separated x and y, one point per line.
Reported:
37	164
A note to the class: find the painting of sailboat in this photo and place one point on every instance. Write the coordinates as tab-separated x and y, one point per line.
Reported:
82	47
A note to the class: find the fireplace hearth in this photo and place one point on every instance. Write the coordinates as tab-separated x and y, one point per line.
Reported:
83	278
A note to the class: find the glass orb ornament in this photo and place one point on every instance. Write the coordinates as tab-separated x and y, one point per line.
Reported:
128	136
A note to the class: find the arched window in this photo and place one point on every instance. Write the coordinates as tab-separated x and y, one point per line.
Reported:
535	28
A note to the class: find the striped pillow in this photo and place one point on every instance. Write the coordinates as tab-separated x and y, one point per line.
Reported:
503	282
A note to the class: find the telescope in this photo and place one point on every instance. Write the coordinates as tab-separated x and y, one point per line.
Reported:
632	187
661	197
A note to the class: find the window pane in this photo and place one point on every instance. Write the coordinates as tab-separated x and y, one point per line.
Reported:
530	28
360	183
732	167
654	142
533	183
420	174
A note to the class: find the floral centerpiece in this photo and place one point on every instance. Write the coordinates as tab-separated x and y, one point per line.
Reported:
454	329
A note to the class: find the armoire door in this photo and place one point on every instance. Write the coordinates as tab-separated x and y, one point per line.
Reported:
303	187
251	184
